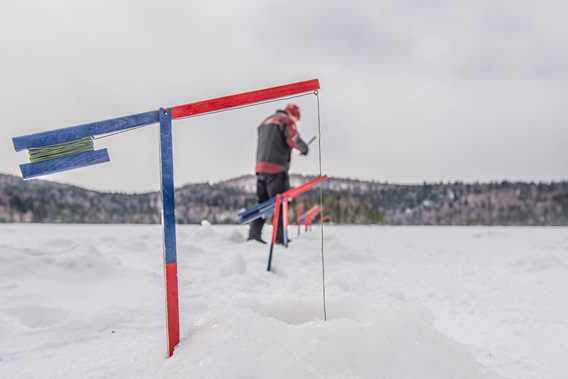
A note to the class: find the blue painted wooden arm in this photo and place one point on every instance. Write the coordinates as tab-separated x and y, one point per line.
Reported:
254	209
262	210
73	133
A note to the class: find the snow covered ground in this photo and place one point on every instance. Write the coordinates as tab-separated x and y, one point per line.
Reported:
403	302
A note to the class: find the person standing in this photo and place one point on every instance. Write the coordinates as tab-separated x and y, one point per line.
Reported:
277	136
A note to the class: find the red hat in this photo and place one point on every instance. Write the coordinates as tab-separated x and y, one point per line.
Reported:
293	110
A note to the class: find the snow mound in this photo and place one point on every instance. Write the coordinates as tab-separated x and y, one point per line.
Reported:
403	303
236	237
235	265
287	339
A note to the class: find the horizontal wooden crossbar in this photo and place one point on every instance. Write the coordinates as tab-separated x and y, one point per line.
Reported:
73	133
244	98
297	191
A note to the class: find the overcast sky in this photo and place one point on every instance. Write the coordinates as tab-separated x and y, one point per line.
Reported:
412	91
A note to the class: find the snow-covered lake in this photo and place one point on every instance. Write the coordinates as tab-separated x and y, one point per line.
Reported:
403	302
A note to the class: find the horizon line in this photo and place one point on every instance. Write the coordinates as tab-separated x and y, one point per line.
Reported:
331	177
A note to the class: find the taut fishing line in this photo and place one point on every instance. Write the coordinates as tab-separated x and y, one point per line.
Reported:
321	210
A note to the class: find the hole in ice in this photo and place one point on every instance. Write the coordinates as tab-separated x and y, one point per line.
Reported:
291	311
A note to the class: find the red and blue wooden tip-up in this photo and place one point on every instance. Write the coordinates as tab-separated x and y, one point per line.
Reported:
272	207
310	216
266	208
164	117
283	199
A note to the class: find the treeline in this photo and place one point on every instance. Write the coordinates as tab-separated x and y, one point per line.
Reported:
346	201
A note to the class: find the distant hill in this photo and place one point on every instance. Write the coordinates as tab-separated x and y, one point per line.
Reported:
347	201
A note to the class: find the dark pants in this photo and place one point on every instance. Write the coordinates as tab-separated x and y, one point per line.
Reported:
267	186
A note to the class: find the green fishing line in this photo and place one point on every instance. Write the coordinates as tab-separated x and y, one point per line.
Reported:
38	154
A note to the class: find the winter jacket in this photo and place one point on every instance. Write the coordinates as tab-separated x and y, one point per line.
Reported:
277	136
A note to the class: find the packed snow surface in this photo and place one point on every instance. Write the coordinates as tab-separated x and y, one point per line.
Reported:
402	302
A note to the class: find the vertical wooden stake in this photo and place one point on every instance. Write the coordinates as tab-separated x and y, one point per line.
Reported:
275	219
285	220
299	211
169	225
